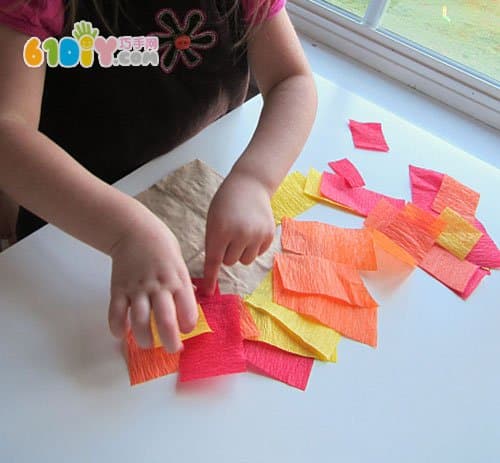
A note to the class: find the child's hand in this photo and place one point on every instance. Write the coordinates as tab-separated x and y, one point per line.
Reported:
240	225
150	274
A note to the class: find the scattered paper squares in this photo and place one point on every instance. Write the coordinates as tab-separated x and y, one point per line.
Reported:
368	135
312	189
346	169
457	196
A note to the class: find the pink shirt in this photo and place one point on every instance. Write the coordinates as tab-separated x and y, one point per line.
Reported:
45	18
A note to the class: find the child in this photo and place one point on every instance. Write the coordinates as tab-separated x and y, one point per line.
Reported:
67	133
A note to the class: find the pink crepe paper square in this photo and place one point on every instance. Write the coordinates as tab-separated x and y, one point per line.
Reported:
220	352
368	135
425	184
284	366
348	172
473	282
360	200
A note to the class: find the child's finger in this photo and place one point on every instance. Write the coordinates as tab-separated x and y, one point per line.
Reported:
265	245
117	314
139	314
187	309
214	253
166	320
250	253
234	252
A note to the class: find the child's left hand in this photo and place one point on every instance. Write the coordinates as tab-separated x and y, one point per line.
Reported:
240	225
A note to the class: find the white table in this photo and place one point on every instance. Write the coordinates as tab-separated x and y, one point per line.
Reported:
429	392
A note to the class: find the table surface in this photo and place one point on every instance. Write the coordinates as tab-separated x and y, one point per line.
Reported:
429	392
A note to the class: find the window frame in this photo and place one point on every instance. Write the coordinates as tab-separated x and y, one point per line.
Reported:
390	54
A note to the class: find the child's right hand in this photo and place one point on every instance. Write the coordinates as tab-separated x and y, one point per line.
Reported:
149	274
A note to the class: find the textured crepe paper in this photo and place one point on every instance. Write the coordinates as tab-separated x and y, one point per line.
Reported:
343	245
278	364
459	236
319	338
217	353
359	324
385	243
425	184
315	275
200	328
457	196
147	364
448	269
312	186
348	172
415	230
473	282
249	329
290	199
360	200
181	200
274	333
368	135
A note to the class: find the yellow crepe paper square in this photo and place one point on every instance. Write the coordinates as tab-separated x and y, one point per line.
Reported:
319	338
312	189
272	332
200	328
290	200
459	236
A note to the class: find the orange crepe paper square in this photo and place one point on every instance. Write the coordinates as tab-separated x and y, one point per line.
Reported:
382	215
448	269
415	230
147	364
248	327
392	248
459	237
315	275
457	196
200	328
359	324
343	245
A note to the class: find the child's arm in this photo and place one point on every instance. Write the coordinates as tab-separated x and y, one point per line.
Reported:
148	270
240	224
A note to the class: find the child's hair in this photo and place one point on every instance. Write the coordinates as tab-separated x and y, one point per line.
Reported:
111	20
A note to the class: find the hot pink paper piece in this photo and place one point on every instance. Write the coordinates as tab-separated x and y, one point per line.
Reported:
473	283
286	367
220	352
368	135
360	200
425	184
348	172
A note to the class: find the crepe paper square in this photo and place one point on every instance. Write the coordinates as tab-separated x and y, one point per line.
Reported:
199	292
343	245
457	196
312	186
200	328
290	199
288	368
485	253
425	184
274	333
368	135
359	324
385	243
217	353
415	230
448	269
147	364
315	275
319	338
249	329
346	169
459	236
473	283
360	200
383	214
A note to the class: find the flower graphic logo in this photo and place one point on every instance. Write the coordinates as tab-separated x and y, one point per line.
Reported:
182	41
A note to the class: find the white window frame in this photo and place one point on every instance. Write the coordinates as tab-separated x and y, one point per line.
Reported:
380	49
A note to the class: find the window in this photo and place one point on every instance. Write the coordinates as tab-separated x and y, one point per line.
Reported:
448	49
